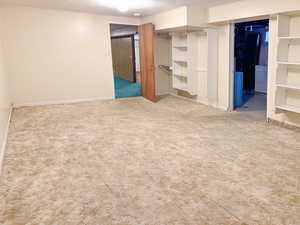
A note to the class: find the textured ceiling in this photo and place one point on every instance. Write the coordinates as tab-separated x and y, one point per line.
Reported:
109	7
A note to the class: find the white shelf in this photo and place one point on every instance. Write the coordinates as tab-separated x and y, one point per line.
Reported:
287	86
180	74
288	108
180	61
289	63
290	38
183	48
194	59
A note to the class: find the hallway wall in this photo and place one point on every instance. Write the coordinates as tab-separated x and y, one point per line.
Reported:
5	104
57	56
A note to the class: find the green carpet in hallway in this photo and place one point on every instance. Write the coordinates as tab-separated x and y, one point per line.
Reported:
126	89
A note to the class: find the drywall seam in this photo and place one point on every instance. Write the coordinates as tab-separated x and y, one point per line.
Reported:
4	144
61	102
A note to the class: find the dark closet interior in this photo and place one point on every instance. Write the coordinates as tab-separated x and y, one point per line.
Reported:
251	49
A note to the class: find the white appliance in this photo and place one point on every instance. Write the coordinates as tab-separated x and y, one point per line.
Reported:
261	78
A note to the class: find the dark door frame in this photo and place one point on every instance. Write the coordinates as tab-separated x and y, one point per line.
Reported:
133	51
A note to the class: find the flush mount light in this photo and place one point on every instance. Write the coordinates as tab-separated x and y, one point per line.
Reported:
137	14
122	8
127	5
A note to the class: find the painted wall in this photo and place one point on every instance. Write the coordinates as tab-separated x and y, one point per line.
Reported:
250	8
54	55
191	15
5	104
170	19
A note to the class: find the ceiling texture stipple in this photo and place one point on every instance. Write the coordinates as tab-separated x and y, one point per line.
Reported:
111	7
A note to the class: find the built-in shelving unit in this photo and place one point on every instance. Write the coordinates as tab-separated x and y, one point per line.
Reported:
288	64
194	55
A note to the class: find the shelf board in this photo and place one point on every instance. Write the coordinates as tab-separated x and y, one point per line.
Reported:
202	70
180	61
289	63
183	48
290	38
288	86
180	75
289	108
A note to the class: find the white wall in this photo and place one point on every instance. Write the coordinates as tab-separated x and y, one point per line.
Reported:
54	55
191	15
250	8
170	19
5	104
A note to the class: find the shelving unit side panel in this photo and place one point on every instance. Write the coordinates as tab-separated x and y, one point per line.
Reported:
280	96
202	51
212	66
283	25
193	59
293	76
283	51
293	98
294	52
295	26
202	85
281	74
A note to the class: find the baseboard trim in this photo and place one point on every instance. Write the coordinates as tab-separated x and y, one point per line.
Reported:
3	146
184	98
62	102
200	102
283	124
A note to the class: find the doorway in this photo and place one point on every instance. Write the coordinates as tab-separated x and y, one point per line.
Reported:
251	67
126	60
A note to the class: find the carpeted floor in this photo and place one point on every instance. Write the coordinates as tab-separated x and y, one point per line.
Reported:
133	162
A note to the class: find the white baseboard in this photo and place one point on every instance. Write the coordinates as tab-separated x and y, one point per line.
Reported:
184	98
199	102
162	94
62	102
3	145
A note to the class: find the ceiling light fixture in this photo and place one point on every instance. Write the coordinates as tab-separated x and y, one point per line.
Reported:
123	8
127	5
137	14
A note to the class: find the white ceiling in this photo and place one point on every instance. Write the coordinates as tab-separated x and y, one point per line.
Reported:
145	7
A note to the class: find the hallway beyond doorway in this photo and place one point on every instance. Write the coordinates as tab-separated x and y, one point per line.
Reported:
256	105
126	89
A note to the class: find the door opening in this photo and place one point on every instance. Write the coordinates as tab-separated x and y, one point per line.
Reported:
126	60
251	67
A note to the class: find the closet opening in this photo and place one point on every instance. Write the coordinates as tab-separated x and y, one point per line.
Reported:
251	46
126	60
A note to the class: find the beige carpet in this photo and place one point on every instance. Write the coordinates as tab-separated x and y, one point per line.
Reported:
132	162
